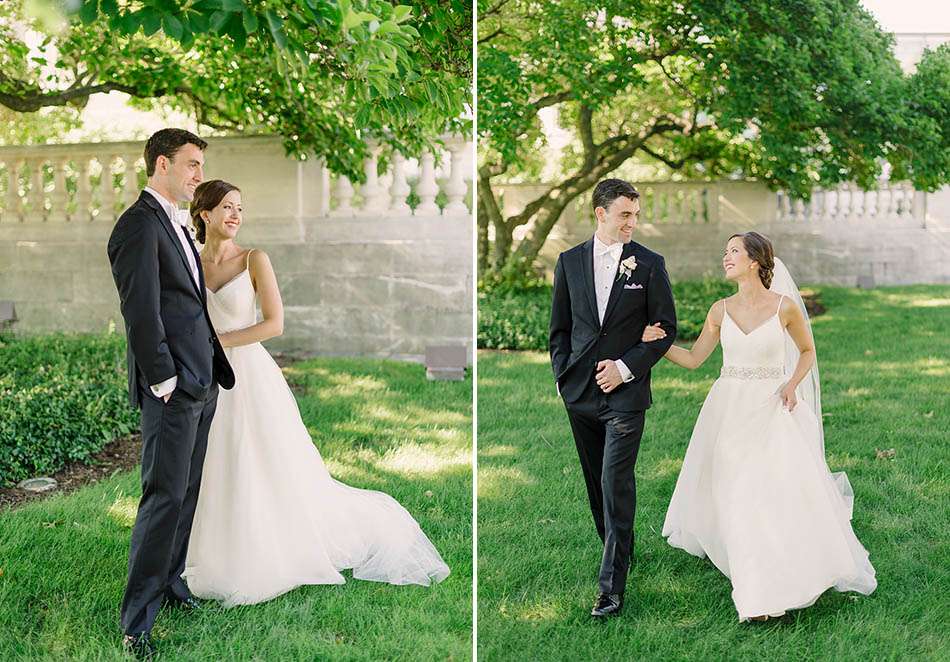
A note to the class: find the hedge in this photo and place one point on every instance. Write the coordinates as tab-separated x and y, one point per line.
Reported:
518	318
62	398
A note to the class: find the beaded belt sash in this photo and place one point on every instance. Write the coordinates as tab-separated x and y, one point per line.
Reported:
761	372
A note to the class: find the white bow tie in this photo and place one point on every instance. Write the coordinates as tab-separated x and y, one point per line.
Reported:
614	249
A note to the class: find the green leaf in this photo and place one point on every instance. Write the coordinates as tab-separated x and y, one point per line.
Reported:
250	21
89	11
150	20
172	26
108	7
401	13
351	19
233	6
234	28
276	25
387	27
218	20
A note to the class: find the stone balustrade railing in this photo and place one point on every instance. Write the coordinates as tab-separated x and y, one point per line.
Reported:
95	181
890	201
730	202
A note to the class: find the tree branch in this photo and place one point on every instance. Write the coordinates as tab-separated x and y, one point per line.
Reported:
485	40
550	100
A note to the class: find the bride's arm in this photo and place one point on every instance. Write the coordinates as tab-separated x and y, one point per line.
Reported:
708	339
272	308
797	328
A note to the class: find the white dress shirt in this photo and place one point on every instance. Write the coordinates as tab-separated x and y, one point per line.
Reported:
178	217
606	261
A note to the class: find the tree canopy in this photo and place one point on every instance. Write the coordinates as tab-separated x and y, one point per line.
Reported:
794	93
324	74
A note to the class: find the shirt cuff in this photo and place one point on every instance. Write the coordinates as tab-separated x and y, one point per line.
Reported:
625	373
166	387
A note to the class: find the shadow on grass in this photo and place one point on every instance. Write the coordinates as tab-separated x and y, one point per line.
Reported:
63	561
539	553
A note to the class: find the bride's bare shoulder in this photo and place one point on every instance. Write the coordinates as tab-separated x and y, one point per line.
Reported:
789	312
717	311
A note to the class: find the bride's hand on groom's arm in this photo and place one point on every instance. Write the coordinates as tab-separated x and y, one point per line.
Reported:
653	332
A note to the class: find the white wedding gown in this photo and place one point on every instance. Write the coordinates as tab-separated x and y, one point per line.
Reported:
269	516
755	494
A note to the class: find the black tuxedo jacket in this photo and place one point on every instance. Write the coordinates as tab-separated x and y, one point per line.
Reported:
167	325
578	341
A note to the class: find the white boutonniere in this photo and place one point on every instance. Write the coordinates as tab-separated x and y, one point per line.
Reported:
627	267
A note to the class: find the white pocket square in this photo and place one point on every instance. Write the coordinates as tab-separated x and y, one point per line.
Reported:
634	286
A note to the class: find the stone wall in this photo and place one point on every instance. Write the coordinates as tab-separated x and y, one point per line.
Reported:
894	236
359	273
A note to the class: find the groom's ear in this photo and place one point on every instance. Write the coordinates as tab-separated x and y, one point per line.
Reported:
600	214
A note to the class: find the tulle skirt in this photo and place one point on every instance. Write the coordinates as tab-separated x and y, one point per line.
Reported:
269	515
755	495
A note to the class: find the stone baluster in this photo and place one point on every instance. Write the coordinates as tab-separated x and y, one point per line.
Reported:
83	191
13	209
456	188
130	184
799	214
818	201
867	200
374	196
107	193
427	188
844	201
857	203
400	189
37	211
344	195
659	204
59	200
880	210
907	202
891	209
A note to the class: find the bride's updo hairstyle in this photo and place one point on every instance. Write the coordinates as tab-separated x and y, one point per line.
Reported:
759	249
208	195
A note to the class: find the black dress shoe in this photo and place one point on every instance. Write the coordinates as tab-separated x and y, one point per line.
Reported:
607	604
139	646
188	604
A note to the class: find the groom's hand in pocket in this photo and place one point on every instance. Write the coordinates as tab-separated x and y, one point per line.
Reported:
608	375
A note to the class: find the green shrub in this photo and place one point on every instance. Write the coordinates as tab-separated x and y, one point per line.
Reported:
62	398
510	318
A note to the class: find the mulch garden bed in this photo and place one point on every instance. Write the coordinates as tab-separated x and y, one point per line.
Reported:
119	455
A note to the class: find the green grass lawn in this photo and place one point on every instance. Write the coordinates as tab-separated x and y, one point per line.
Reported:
379	425
884	357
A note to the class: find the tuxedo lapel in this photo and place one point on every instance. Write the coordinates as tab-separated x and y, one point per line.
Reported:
166	223
617	287
587	259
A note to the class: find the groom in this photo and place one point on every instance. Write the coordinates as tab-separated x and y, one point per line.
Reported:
175	364
606	291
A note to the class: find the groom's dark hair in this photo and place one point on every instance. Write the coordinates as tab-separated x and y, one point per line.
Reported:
166	143
608	190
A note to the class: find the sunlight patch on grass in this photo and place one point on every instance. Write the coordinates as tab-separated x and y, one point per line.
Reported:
123	511
907	300
414	459
539	612
499	481
664	468
842	462
351	385
415	416
500	450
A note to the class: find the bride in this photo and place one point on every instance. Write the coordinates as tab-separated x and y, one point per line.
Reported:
755	494
269	516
